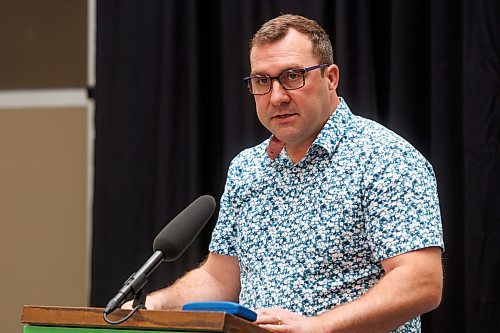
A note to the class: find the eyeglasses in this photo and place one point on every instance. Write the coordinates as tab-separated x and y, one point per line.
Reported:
289	79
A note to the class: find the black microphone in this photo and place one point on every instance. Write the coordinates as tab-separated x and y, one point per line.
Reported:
168	245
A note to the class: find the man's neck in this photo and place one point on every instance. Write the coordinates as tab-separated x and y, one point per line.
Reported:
297	153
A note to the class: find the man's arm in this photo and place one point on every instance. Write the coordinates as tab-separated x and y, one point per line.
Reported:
217	279
412	285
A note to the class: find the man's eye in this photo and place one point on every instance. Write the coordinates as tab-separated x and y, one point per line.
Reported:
293	76
263	81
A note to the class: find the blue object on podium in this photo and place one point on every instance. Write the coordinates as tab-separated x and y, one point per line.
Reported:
227	307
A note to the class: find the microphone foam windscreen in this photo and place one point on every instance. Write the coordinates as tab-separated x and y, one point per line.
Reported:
175	238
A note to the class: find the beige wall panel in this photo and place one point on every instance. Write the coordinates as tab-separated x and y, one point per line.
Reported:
43	44
43	242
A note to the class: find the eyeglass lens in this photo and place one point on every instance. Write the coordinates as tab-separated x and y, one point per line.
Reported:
289	79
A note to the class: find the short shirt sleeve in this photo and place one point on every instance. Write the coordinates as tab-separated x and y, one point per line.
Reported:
224	235
401	204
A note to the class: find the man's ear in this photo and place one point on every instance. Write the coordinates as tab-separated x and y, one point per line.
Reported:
332	73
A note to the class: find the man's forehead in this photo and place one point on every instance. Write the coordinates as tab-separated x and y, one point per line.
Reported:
295	50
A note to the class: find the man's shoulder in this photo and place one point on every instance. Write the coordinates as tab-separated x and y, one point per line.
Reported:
364	135
250	159
375	136
374	133
378	148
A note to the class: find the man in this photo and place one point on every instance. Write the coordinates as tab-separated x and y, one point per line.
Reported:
331	225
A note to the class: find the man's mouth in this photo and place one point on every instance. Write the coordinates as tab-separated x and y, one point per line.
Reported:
283	116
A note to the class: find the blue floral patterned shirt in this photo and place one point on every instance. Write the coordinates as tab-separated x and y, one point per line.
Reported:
311	236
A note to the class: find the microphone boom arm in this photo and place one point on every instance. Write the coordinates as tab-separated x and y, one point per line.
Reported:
135	283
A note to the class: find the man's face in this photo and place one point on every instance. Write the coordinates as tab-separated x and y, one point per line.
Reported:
294	116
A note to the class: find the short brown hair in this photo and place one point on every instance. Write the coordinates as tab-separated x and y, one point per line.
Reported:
277	28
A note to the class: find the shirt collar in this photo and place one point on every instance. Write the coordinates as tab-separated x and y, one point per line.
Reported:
335	127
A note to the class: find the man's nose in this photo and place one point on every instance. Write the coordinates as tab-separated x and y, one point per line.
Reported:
279	94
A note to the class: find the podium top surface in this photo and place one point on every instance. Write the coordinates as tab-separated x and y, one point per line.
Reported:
143	319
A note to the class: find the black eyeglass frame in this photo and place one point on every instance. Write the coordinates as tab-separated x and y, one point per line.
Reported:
302	71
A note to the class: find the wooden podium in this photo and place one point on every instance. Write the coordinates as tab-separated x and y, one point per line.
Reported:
51	319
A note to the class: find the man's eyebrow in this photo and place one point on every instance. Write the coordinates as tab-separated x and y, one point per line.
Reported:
292	66
258	73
